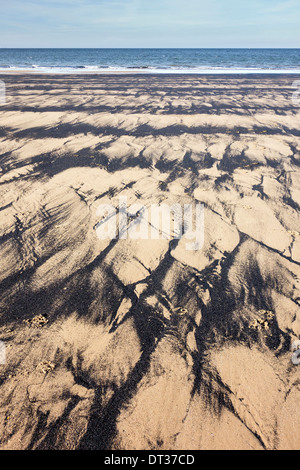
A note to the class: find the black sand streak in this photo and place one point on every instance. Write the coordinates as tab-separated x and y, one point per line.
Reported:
102	425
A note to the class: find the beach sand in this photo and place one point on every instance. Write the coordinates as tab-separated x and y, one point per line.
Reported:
143	344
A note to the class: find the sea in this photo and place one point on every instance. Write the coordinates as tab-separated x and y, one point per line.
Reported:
197	61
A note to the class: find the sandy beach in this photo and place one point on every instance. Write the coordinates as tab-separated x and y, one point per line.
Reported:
142	344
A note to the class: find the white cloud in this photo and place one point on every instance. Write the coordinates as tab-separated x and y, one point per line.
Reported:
283	7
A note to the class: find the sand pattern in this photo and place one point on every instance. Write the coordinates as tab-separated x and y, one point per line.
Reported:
134	344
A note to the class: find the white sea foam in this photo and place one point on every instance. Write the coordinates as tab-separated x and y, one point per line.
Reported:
143	70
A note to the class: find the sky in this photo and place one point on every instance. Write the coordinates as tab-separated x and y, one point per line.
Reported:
149	23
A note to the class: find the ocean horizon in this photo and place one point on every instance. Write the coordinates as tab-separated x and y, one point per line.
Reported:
143	60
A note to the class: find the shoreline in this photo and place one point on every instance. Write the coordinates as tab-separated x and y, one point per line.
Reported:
208	73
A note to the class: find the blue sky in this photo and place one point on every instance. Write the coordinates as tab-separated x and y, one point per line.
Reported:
152	23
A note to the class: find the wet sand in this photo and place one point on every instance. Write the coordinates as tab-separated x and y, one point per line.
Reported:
142	344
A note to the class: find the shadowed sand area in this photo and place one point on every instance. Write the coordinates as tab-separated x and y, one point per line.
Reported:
99	353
